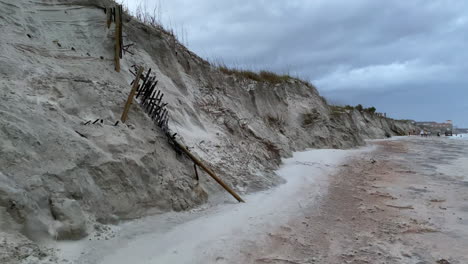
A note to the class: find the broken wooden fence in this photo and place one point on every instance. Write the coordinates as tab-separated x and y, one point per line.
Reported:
150	99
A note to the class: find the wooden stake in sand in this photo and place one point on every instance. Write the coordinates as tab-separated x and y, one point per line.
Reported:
208	170
131	95
118	37
121	31
109	16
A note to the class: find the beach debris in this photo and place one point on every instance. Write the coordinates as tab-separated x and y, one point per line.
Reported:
57	43
406	171
83	80
406	255
400	207
196	172
276	260
81	135
443	261
420	230
99	120
126	48
384	195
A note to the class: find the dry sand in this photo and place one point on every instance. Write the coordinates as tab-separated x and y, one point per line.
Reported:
62	179
396	201
217	232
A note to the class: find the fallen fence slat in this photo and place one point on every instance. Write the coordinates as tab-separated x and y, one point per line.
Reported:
208	170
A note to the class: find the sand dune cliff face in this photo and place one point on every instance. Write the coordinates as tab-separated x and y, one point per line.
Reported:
57	72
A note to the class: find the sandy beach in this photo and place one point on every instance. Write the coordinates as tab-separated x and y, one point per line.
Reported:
120	143
402	200
405	202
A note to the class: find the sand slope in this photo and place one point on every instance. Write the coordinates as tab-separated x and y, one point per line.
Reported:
59	177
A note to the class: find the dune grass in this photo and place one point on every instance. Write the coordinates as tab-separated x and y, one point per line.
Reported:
261	76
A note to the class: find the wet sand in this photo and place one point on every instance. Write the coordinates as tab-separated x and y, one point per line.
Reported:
405	202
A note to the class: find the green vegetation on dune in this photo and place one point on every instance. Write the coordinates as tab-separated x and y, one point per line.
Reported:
262	76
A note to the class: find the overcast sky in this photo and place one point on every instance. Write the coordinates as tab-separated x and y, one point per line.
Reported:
408	58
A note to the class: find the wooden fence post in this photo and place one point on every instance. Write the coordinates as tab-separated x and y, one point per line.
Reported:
118	31
109	16
131	95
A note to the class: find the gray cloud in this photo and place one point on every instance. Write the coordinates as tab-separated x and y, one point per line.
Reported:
366	49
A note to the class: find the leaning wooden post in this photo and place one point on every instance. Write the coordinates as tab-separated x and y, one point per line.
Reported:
118	31
131	95
208	170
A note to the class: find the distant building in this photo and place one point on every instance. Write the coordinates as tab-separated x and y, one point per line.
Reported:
381	114
436	127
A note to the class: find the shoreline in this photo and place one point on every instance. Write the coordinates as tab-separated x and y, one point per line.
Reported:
406	202
384	202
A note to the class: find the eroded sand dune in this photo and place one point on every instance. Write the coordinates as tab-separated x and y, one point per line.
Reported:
62	179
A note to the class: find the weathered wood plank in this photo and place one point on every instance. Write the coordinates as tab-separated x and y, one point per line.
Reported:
130	96
207	170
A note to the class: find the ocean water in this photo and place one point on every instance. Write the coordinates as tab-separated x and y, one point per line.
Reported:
460	136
